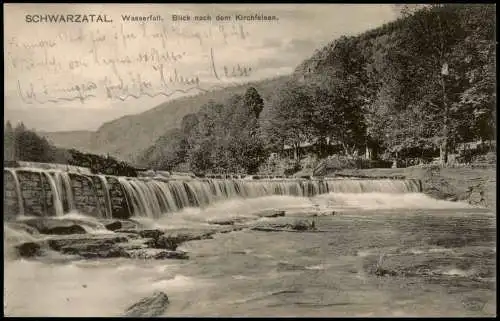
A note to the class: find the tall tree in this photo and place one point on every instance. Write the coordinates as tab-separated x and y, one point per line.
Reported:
9	142
428	40
31	147
291	116
254	101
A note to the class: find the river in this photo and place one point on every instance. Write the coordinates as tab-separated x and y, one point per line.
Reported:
439	257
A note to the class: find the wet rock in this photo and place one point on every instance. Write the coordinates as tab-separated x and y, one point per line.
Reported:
103	251
271	213
157	254
171	240
303	226
114	226
231	220
57	243
152	234
152	306
271	229
297	226
267	229
222	222
123	225
62	226
90	246
65	230
164	242
232	229
29	249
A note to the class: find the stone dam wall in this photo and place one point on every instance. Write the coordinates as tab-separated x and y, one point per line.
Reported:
53	192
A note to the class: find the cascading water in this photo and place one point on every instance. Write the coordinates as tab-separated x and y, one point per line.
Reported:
19	196
55	194
109	209
97	195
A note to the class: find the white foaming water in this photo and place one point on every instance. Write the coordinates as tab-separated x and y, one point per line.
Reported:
178	282
458	272
241	208
107	288
100	289
90	224
195	216
377	201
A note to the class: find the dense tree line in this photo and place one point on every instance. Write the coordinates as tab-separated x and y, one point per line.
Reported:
417	86
425	82
22	144
221	137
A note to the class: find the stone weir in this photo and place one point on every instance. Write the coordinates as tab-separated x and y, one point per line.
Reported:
55	192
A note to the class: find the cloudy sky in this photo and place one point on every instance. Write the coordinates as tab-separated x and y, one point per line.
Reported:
49	67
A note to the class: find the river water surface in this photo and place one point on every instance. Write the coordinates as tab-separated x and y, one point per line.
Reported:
437	259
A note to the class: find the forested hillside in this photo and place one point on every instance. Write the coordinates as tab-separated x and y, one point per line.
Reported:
128	136
419	85
425	81
23	144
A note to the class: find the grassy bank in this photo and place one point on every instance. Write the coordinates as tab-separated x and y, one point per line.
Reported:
476	186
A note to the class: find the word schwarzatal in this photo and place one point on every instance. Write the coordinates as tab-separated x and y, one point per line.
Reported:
67	18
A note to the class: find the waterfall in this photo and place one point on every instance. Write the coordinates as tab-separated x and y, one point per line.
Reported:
68	190
56	197
18	190
104	182
154	197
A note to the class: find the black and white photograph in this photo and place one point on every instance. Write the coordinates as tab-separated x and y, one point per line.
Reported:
249	160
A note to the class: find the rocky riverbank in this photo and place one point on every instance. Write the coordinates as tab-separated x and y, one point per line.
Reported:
101	239
474	185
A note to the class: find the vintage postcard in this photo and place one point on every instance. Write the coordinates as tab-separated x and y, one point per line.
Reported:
300	160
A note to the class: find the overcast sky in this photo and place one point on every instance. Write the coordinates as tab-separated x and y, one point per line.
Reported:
269	48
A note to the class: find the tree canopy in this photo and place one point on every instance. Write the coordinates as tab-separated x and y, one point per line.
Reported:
425	82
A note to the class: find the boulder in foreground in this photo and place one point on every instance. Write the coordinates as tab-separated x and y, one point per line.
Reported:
29	249
151	306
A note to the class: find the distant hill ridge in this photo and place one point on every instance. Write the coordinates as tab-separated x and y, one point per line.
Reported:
126	137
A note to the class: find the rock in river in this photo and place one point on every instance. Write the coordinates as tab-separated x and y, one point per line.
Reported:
151	306
115	225
29	249
172	239
297	226
231	220
157	254
271	213
90	246
59	226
